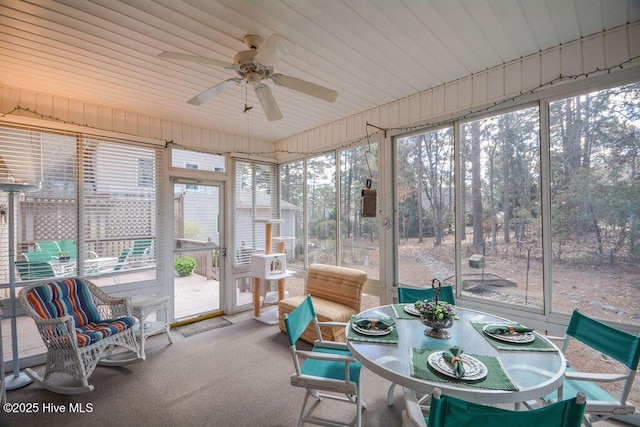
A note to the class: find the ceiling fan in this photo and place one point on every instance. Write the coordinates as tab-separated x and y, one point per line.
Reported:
256	65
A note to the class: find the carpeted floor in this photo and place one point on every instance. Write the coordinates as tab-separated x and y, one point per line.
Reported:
232	376
201	326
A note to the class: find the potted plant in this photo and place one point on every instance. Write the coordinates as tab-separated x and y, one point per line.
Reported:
184	266
63	257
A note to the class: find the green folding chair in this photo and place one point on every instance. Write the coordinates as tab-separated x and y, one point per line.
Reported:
617	345
407	295
327	371
447	411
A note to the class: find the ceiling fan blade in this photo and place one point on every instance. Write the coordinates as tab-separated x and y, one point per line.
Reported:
213	91
268	102
303	86
195	58
274	49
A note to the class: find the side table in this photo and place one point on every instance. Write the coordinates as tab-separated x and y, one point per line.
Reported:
143	306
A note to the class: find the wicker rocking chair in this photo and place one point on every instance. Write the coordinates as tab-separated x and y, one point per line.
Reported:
80	326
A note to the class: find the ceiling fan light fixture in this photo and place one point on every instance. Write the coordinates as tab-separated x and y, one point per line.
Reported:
254	66
254	78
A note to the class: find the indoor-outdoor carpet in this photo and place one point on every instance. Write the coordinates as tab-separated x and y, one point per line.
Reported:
201	326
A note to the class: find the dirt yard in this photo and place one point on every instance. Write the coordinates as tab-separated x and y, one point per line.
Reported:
604	291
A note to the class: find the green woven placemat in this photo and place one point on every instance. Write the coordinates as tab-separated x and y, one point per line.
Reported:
496	379
391	338
398	310
535	345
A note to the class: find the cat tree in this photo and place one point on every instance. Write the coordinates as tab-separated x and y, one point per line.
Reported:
266	268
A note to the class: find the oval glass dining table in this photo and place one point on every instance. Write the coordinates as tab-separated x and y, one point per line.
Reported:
533	370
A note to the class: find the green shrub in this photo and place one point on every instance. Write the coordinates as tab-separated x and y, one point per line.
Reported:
184	266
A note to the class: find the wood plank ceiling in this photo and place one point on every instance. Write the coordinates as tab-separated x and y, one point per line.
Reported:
371	51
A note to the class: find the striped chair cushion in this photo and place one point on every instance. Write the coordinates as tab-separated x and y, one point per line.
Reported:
94	332
66	297
336	294
339	284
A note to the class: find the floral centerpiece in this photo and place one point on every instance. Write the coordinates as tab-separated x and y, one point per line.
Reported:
438	315
436	310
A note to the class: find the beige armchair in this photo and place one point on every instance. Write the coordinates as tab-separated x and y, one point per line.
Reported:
336	294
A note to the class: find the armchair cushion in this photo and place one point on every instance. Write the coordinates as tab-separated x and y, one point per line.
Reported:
94	332
58	299
336	293
338	284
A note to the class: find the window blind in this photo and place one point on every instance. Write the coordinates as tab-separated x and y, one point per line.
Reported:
255	197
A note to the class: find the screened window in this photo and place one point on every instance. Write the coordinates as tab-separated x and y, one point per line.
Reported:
358	234
255	198
321	208
424	193
48	212
595	203
291	211
204	161
92	213
119	217
502	238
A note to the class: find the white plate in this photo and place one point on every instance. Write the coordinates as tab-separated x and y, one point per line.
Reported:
515	338
411	309
473	368
371	332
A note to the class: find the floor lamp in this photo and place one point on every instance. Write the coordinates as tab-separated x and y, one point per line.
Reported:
18	379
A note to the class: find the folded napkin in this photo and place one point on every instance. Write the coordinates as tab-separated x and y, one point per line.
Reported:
510	328
380	324
453	356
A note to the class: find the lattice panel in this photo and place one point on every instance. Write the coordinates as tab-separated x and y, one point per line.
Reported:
128	217
48	219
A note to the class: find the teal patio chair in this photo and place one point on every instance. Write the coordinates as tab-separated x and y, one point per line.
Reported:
327	371
141	252
68	247
123	259
447	411
39	256
616	345
28	270
407	295
49	246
